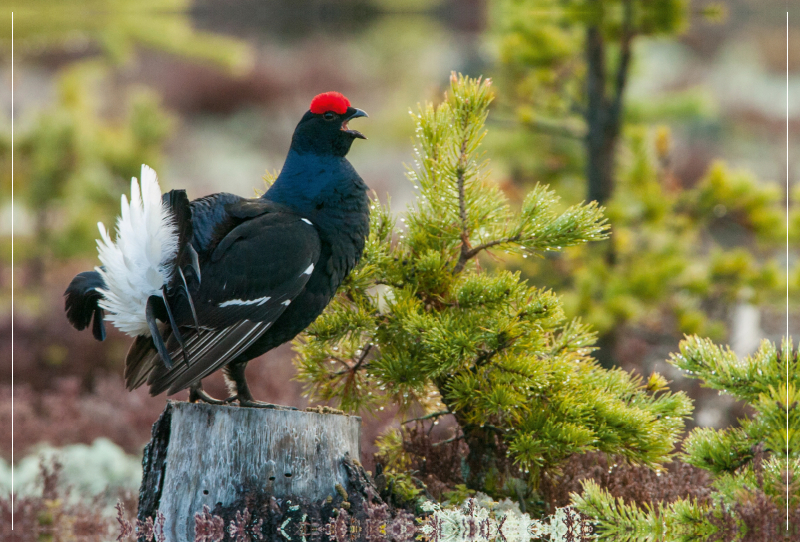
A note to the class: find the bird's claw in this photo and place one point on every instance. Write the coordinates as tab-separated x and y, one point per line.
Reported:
197	394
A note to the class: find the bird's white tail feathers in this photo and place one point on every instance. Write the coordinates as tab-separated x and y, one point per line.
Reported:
140	261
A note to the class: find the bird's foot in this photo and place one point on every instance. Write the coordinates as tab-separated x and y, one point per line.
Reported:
237	383
252	403
197	394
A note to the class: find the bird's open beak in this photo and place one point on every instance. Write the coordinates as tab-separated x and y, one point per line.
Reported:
354	115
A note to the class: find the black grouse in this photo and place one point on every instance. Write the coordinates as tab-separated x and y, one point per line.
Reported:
218	281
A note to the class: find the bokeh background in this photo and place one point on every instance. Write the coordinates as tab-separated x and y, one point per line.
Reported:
208	93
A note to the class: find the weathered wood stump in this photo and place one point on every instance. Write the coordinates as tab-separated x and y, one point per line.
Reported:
203	454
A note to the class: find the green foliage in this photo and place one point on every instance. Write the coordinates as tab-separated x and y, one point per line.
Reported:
681	521
458	495
420	322
391	452
749	463
739	196
761	381
542	42
542	46
679	259
674	269
404	488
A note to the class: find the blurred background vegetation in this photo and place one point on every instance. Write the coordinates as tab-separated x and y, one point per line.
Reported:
670	113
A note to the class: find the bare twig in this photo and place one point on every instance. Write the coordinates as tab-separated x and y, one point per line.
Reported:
340	360
364	354
448	441
483	358
357	366
428	416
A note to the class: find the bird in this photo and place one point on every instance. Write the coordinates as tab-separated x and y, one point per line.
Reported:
212	283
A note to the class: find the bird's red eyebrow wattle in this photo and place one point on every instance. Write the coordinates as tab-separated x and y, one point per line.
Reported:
329	101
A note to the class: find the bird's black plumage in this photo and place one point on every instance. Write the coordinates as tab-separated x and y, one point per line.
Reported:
80	303
250	273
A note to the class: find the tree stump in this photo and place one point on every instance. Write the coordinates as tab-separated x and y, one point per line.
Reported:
202	454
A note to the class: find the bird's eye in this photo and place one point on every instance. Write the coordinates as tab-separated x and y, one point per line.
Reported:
328	116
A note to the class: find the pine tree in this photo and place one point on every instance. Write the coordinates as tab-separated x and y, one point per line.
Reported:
568	64
421	322
681	259
674	269
749	462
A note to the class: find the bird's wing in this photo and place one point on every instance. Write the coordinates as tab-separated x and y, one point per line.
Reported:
249	279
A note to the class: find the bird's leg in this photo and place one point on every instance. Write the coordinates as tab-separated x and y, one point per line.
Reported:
196	394
158	340
234	375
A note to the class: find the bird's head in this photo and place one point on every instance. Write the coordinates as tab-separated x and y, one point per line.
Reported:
323	129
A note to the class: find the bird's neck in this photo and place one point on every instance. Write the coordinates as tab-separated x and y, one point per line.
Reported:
307	180
328	192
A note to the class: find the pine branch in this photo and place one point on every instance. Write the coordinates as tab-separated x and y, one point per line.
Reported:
462	207
474	251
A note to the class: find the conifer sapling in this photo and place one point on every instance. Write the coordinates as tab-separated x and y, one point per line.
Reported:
422	324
